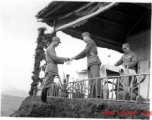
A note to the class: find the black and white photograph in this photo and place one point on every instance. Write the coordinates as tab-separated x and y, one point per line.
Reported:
75	59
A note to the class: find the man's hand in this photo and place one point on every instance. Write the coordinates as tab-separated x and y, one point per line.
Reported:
67	59
124	64
72	58
115	64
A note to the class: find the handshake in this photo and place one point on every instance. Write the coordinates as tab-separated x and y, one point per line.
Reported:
69	59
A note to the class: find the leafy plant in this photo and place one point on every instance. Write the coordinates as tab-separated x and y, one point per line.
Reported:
42	42
76	89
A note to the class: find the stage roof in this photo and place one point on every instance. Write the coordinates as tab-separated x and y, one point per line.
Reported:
109	27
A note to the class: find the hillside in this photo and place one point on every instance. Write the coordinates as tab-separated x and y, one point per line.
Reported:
15	92
10	104
79	108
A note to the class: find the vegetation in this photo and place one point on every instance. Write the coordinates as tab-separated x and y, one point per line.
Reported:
43	41
80	108
76	89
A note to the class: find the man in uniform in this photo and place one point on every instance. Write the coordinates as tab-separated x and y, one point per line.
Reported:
93	63
129	58
128	61
51	69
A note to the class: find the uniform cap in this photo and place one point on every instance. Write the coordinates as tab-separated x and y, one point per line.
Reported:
85	33
41	28
56	39
126	45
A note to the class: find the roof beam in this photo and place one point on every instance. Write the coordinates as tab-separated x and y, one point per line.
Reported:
81	8
112	44
107	21
103	39
135	24
116	33
101	9
143	5
126	14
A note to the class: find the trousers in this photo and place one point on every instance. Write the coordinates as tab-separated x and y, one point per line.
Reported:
95	84
48	80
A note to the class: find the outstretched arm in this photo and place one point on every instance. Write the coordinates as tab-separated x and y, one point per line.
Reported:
85	51
58	60
119	62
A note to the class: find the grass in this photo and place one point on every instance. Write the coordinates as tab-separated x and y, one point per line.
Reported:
79	108
9	104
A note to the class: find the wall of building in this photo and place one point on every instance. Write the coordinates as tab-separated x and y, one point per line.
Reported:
141	45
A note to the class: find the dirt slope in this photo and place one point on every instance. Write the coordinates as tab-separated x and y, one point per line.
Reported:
80	108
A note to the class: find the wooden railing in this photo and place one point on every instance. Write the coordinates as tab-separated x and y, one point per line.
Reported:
119	88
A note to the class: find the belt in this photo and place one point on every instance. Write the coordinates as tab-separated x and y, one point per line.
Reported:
91	56
51	64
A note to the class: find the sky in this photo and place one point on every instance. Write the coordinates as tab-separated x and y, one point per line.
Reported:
17	45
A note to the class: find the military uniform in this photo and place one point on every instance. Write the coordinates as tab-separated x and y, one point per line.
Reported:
51	69
93	64
130	58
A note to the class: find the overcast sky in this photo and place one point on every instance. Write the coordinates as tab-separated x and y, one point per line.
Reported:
19	33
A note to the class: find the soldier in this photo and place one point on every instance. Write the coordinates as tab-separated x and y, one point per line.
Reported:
129	58
93	63
51	69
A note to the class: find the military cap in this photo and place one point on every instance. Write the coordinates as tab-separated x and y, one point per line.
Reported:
85	33
41	28
56	39
126	45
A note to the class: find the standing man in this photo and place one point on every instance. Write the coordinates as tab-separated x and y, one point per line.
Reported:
93	64
129	58
51	69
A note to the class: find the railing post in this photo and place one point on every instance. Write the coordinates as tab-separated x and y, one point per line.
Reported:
57	90
118	89
131	88
148	87
107	90
78	89
53	90
101	89
139	87
125	83
74	90
96	92
112	88
91	88
70	90
84	91
82	84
